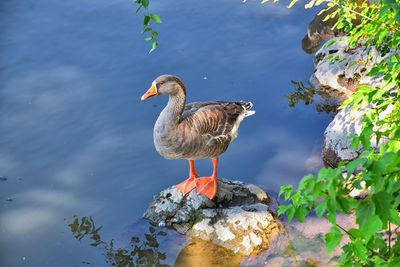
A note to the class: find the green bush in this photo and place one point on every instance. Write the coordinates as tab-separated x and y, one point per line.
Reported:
327	194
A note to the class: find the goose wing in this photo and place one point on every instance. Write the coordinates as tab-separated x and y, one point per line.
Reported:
215	122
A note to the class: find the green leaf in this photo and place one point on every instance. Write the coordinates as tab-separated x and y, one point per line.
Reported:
320	208
352	166
329	43
365	136
145	3
286	190
310	4
155	18
373	226
147	29
331	217
146	20
333	238
394	262
355	143
382	205
395	216
301	213
153	46
290	213
364	212
292	3
359	250
282	209
307	182
343	203
354	233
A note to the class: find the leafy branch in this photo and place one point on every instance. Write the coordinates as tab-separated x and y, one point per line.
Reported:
148	18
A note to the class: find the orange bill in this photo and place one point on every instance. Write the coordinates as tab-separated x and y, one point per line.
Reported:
151	92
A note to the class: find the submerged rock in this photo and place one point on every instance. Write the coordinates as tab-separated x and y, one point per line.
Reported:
239	218
338	71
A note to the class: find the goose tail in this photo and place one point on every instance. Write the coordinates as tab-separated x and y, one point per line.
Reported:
247	106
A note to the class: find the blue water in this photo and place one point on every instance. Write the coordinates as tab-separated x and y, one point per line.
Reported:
75	139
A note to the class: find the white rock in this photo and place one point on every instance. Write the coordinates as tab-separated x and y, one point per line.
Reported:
223	232
336	141
339	78
239	218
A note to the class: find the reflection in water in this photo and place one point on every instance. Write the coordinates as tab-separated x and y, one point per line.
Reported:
309	95
139	252
145	250
294	248
202	253
298	245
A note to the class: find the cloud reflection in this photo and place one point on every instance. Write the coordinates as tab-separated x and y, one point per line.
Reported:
288	158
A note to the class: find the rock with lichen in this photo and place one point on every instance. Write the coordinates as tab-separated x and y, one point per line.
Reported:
239	218
336	145
338	70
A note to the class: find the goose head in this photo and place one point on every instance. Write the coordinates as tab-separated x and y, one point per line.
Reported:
165	85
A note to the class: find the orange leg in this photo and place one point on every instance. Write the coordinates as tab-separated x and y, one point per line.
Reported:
208	185
188	185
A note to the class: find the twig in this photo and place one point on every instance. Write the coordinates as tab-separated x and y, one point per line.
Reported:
390	237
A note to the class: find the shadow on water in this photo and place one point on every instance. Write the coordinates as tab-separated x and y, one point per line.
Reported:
144	249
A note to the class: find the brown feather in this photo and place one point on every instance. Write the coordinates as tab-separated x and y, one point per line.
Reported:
211	124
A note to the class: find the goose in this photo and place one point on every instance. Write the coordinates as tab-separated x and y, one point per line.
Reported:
195	130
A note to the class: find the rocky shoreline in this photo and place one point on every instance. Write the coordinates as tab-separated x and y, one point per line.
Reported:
338	71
